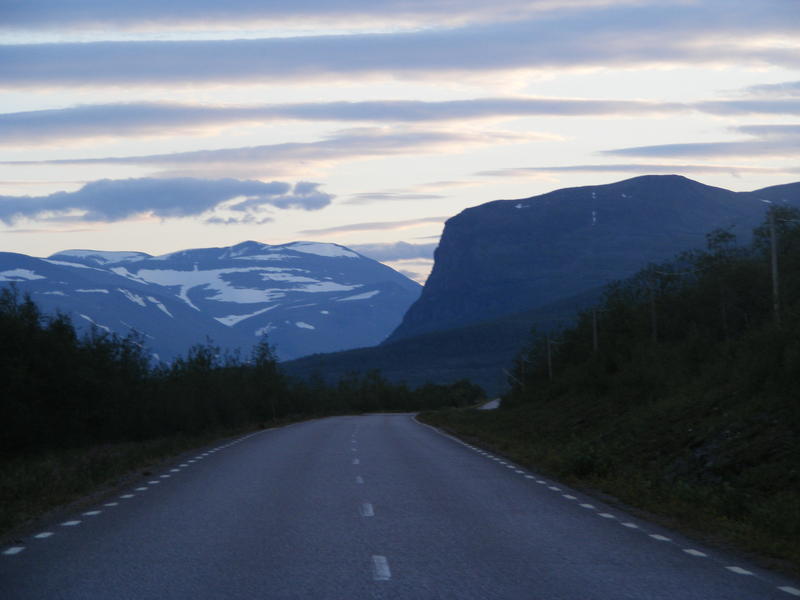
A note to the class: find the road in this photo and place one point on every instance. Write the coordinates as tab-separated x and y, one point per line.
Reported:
375	506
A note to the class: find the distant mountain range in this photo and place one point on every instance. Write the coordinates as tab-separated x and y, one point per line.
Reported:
306	297
508	265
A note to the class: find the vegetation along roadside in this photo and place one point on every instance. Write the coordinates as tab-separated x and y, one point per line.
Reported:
678	394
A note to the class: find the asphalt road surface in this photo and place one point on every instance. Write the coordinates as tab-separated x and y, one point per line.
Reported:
375	506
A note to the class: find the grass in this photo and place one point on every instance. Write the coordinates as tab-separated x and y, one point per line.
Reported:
31	486
728	474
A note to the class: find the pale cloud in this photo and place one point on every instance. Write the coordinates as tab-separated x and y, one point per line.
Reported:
257	161
160	119
788	88
770	141
375	226
395	251
714	32
117	200
155	15
640	169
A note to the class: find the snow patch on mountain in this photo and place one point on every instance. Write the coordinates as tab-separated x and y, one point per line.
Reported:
232	320
93	322
102	257
19	275
330	250
160	306
363	296
135	298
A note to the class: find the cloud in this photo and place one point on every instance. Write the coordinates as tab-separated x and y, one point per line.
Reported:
395	251
368	197
639	168
255	161
375	226
714	32
788	88
116	200
771	140
209	14
148	119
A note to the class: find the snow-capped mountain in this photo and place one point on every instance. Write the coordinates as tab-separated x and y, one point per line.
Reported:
306	297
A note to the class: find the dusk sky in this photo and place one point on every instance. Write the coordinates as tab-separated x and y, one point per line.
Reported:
158	126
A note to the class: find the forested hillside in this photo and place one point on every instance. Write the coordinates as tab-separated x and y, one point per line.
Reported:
74	410
677	393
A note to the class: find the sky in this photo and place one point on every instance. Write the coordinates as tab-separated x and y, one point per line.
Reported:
159	126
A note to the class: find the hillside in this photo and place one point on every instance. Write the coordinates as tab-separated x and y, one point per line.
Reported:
509	256
481	353
509	265
688	405
306	297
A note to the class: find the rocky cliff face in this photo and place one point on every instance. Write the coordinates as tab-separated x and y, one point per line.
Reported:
510	256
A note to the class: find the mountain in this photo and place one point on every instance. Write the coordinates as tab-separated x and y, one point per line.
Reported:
509	256
306	297
509	265
480	352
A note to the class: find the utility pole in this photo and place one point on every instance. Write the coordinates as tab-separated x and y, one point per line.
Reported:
653	316
773	238
549	359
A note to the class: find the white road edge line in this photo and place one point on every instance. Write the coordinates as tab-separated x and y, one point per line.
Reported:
380	568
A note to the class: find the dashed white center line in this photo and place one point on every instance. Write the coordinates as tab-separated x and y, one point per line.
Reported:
739	570
70	523
587	505
154	482
694	552
606	515
568	497
554	488
92	513
174	470
165	476
43	535
367	510
630	525
519	472
184	465
111	504
359	479
529	477
660	538
540	482
141	489
380	568
126	496
14	550
790	590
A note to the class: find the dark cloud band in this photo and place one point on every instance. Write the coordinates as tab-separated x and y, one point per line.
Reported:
116	200
712	32
151	118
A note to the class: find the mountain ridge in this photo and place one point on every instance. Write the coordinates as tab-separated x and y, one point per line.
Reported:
306	296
